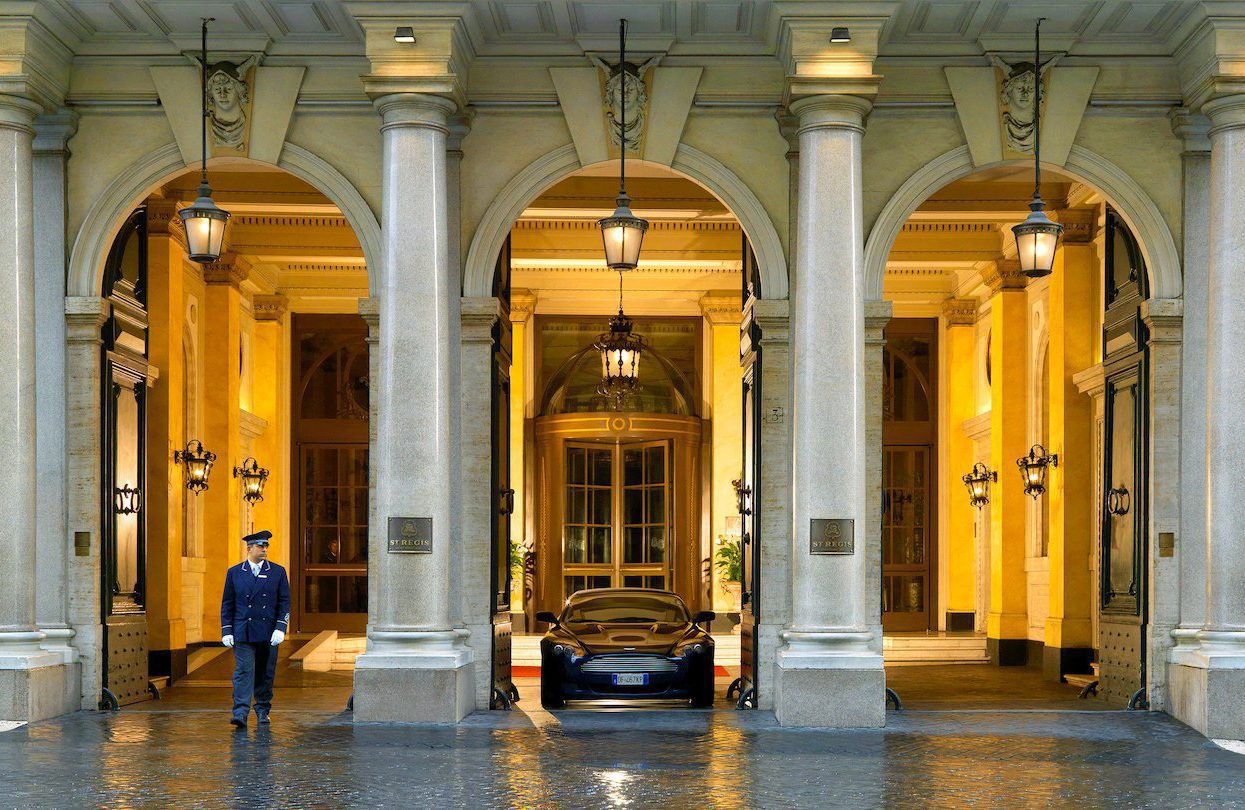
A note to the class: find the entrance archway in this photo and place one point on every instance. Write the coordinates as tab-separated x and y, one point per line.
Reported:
224	355
556	295
1015	365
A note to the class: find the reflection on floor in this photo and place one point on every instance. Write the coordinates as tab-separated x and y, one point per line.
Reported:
985	687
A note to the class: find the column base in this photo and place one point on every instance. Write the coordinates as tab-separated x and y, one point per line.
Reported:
35	684
829	680
1206	684
1059	661
414	677
1008	652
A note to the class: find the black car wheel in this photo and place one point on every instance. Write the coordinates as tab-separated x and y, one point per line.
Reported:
550	685
701	682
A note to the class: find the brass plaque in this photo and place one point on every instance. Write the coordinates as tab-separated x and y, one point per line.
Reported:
1167	544
832	536
410	535
82	544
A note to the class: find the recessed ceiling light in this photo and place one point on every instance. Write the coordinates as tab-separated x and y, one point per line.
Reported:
840	35
405	33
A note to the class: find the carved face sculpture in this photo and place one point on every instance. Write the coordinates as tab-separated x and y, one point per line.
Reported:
631	86
227	99
1018	93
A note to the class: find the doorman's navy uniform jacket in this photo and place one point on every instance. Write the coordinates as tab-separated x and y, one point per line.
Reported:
253	606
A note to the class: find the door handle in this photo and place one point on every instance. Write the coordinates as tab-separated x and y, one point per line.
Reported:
505	502
743	494
1119	501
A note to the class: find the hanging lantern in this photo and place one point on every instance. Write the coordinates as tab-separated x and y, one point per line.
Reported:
978	483
1033	469
198	463
253	479
204	221
620	360
1038	236
622	232
127	500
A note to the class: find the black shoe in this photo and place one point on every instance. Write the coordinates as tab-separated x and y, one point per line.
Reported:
261	718
239	722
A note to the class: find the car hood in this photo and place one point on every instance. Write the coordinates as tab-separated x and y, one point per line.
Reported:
659	638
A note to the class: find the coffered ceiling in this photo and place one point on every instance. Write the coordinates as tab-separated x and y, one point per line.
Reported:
499	28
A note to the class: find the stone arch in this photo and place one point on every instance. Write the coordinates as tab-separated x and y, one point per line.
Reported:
1132	203
697	166
86	263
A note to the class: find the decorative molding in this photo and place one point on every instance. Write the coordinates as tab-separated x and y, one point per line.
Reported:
226	272
251	426
538	223
1078	225
522	305
721	308
1091	381
960	311
1004	275
477	314
977	428
269	307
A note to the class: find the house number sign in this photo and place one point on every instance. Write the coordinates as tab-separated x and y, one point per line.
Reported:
832	536
410	535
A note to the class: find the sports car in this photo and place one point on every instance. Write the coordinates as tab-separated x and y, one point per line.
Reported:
612	643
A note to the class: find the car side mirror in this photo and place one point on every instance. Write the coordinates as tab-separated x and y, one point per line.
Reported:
547	617
704	617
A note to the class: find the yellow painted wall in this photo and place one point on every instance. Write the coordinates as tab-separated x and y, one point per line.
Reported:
1073	336
162	502
1008	617
959	354
518	402
270	396
727	445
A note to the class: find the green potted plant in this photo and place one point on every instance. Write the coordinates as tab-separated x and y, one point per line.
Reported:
729	561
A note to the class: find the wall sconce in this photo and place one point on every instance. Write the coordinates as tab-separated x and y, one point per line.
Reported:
1033	469
840	35
253	479
404	34
127	499
198	463
978	484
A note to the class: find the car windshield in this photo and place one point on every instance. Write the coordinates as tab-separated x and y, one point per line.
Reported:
625	608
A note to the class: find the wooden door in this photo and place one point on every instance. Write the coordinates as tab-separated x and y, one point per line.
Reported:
1122	555
748	505
502	492
909	488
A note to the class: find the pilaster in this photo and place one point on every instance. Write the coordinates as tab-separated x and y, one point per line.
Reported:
958	356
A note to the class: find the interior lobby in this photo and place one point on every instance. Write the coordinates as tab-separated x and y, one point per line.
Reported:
336	270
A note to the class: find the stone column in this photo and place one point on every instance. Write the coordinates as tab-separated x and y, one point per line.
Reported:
84	322
52	132
26	670
721	313
830	647
1007	625
417	666
270	401
1211	697
773	316
475	596
1190	552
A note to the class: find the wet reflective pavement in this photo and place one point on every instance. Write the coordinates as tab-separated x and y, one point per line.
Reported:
181	753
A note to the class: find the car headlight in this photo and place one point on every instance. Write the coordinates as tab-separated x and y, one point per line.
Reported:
571	651
693	648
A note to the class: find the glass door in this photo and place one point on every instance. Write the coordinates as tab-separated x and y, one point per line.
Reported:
905	538
333	483
616	517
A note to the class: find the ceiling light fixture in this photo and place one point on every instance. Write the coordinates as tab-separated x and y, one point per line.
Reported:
1037	237
203	220
623	231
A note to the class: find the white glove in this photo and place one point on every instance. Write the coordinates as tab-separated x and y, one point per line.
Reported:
277	637
227	640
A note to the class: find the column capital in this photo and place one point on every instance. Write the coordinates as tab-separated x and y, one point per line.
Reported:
960	311
17	112
415	110
84	317
459	125
773	315
877	315
271	308
1164	318
1224	113
1004	275
477	316
830	112
1078	225
53	131
369	311
522	305
162	219
721	308
225	272
1192	127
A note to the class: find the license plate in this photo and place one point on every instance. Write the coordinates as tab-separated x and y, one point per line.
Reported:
631	679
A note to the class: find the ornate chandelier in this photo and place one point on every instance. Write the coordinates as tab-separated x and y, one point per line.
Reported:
620	349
